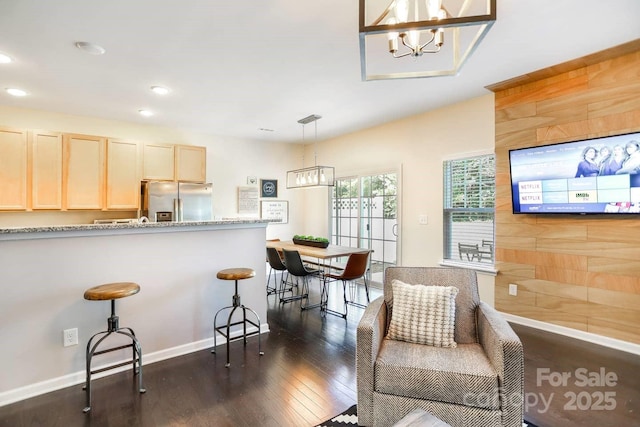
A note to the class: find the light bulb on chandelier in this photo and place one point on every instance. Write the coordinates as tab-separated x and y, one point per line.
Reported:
411	38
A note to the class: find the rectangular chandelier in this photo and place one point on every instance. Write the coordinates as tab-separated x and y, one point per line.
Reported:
404	39
313	176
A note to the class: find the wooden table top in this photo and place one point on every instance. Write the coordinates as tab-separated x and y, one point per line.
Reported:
333	251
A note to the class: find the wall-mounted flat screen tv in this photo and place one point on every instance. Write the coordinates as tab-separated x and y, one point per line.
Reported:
590	176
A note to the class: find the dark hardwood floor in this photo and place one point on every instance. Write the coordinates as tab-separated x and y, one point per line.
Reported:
601	386
306	376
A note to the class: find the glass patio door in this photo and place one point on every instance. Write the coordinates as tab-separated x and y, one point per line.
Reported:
364	214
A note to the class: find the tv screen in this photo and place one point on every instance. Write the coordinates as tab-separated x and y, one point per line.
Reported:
591	176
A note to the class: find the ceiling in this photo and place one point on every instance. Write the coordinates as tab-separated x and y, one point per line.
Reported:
236	67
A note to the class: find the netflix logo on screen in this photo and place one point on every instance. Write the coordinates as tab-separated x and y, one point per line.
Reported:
530	186
530	198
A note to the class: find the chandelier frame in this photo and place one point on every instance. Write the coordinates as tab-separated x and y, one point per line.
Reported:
460	56
311	176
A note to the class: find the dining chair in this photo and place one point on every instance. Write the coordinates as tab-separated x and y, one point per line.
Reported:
276	264
296	268
356	268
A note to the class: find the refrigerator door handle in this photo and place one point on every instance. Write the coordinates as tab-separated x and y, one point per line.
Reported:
176	210
180	210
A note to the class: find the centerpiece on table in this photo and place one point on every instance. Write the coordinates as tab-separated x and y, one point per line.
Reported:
318	242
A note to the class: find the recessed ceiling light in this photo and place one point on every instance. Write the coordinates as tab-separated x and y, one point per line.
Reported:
160	90
16	92
5	59
90	48
145	113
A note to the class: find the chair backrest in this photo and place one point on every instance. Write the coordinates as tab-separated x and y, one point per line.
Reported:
356	266
272	240
467	299
274	259
294	264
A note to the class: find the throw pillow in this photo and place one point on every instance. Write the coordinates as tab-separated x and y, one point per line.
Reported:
423	314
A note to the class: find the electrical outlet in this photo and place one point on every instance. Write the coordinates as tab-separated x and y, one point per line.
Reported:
513	289
423	219
70	337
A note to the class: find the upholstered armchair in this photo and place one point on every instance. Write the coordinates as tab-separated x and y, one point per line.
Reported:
473	377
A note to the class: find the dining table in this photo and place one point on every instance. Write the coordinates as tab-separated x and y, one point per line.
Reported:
324	261
328	253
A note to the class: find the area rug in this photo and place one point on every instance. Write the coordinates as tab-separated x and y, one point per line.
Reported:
349	418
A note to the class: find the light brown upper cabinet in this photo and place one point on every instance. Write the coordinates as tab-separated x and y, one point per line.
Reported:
167	162
191	163
14	173
83	171
159	162
46	170
124	160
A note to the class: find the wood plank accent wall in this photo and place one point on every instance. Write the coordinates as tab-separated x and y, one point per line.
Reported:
581	272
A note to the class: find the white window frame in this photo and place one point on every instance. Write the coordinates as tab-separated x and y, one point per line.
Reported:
451	257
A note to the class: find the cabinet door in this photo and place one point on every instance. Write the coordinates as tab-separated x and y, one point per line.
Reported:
159	162
123	174
83	171
191	163
13	169
46	170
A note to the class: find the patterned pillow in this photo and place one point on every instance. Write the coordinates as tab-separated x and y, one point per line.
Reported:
423	314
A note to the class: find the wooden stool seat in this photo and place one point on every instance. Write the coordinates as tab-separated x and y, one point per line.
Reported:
236	273
111	291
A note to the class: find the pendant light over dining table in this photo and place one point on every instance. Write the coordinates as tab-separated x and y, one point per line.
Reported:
312	176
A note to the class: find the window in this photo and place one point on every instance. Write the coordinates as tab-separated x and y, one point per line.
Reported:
469	210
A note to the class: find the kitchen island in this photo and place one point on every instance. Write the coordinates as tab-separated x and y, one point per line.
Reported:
45	271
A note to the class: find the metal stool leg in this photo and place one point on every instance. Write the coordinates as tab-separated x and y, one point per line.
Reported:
228	335
236	304
92	350
89	356
137	351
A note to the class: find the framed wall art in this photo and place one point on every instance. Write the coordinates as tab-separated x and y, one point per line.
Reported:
248	200
275	209
268	188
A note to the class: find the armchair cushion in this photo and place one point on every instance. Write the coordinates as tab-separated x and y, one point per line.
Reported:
462	375
423	314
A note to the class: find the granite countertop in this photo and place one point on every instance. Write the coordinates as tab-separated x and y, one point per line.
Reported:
14	233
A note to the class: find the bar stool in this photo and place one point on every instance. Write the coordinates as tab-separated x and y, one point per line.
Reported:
235	274
112	291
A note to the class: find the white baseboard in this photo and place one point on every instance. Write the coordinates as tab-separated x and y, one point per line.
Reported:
574	333
36	389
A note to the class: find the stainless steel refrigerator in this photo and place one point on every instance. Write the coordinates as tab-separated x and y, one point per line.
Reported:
176	201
